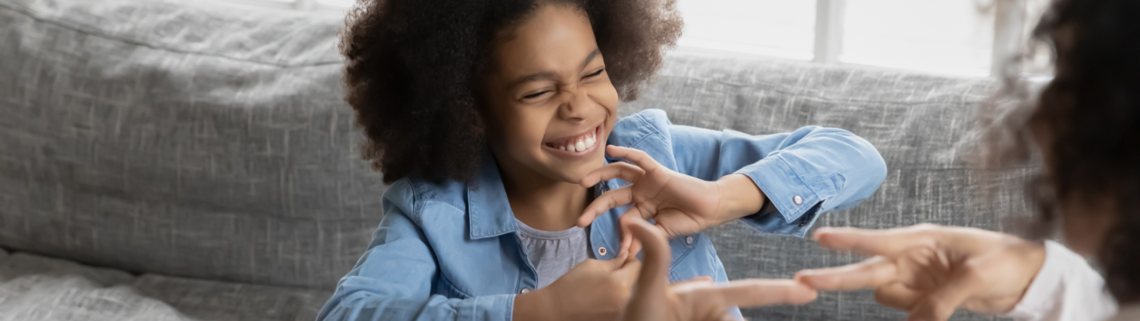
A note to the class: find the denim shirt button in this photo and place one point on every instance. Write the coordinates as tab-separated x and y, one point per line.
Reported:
602	251
689	240
798	200
525	291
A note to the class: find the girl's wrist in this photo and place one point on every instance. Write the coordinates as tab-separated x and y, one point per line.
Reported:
739	197
535	305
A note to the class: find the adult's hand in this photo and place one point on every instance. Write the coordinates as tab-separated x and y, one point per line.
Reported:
697	299
931	270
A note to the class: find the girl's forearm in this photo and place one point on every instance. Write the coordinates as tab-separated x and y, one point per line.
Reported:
739	197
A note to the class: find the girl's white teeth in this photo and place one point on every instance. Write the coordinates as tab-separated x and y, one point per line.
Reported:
581	145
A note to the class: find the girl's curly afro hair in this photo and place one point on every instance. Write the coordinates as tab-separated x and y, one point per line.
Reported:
411	68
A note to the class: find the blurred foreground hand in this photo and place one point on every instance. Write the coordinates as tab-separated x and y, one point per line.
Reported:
699	298
931	270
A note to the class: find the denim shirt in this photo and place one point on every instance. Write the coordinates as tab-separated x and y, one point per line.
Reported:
450	251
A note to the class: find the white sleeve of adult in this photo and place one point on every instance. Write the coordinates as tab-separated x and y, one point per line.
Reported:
1066	289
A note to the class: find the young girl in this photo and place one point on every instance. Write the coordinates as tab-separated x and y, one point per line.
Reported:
492	121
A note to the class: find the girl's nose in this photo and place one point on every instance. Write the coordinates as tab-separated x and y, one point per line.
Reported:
576	105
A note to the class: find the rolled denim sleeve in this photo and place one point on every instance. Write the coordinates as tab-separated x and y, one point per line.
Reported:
393	281
803	173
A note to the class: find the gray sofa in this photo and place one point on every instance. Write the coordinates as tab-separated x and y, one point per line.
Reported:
165	160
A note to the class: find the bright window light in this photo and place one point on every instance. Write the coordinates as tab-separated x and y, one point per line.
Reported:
337	3
779	28
950	37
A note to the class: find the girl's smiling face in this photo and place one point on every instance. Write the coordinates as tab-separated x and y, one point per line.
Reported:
549	103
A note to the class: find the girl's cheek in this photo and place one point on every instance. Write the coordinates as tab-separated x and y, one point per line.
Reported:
606	95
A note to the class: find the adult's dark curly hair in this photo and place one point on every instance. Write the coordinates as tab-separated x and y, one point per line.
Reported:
1091	111
411	68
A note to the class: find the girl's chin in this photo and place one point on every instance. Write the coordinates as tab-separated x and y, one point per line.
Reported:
575	172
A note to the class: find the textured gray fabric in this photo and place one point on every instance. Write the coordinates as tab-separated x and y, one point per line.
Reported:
198	141
38	288
212	142
214	300
553	253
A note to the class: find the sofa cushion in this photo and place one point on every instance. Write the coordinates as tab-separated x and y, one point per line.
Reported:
186	139
33	287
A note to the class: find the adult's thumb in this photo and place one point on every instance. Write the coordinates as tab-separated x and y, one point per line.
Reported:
940	304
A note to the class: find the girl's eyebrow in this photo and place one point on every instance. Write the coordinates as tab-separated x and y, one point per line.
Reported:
546	75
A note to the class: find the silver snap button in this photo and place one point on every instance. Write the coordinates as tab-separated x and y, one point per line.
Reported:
525	291
689	240
798	200
602	250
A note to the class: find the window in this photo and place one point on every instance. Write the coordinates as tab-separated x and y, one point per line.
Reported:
945	36
952	37
779	28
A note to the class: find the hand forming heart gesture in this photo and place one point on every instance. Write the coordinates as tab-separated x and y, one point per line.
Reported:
678	203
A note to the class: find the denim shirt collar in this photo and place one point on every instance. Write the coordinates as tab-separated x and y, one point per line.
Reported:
488	209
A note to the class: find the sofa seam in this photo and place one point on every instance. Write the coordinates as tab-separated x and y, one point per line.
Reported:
141	43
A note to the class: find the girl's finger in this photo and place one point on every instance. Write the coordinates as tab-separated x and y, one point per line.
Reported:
628	243
653	275
603	203
657	256
624	171
638	157
870	273
634	247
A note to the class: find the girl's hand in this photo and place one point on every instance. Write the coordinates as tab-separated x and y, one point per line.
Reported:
699	298
592	290
680	204
932	270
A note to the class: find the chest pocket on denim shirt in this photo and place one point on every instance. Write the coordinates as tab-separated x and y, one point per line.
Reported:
683	267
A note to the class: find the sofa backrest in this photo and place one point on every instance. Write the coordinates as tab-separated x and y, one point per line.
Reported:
182	139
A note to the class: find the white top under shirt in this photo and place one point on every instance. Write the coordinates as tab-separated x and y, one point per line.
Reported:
1068	289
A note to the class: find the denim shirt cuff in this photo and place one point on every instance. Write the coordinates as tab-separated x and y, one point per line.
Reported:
792	205
769	220
487	308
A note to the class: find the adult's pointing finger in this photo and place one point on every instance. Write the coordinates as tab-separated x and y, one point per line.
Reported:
889	242
870	273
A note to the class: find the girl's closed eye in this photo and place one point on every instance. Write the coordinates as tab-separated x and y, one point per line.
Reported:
536	95
544	92
596	73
